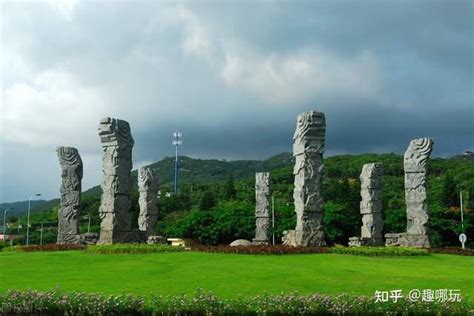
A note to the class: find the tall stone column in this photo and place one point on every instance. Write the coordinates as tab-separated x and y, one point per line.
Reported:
308	149
114	211
371	204
415	165
68	214
262	208
148	189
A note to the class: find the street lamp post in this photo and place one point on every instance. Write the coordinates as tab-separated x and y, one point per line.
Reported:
41	236
273	220
176	142
5	221
28	221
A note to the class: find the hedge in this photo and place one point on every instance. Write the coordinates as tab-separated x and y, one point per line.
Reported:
54	302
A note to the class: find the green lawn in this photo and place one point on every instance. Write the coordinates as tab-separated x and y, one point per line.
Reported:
227	274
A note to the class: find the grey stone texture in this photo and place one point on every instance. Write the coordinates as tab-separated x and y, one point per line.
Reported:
156	240
289	238
148	190
89	238
308	149
71	187
116	217
262	208
415	165
240	242
371	204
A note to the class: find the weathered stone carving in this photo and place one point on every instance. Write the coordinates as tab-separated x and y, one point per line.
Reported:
68	214
370	206
148	189
262	208
308	149
415	165
117	144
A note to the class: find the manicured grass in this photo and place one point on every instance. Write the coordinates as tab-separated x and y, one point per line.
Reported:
227	275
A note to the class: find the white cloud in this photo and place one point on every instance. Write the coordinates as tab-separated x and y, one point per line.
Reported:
302	75
52	109
196	40
64	7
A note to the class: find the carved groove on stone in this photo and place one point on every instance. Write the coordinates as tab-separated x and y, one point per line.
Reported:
308	149
262	208
114	211
71	187
148	189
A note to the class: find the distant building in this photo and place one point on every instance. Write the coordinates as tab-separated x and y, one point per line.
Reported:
4	237
468	153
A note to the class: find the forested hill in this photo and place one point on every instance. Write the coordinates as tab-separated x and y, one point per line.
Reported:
202	171
190	171
216	200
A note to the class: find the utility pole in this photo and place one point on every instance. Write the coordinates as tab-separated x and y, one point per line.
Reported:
28	221
462	215
41	234
5	222
177	141
273	219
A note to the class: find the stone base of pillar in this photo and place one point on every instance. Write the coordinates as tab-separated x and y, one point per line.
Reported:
156	240
361	241
115	236
407	240
260	242
69	239
289	238
311	238
295	238
418	241
89	238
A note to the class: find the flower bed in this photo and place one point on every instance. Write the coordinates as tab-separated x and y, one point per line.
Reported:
48	247
132	248
262	249
380	251
55	302
453	251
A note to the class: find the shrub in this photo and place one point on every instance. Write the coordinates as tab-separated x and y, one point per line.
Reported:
262	249
453	251
14	302
380	251
4	244
48	247
132	248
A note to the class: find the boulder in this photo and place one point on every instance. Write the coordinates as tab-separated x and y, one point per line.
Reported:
240	242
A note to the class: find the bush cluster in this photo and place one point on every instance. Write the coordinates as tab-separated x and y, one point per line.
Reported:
453	251
262	249
380	251
48	247
14	302
132	248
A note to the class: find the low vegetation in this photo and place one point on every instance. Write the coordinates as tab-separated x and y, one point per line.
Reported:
216	205
262	249
380	251
48	247
132	248
205	303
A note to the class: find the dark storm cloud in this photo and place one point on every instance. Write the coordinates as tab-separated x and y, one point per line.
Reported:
231	76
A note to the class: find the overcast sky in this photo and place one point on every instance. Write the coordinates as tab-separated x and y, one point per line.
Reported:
232	77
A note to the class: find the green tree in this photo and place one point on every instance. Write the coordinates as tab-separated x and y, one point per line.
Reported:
449	194
230	191
207	202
